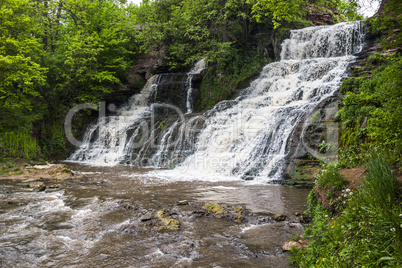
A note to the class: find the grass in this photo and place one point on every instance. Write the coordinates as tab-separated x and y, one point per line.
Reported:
329	175
19	144
366	233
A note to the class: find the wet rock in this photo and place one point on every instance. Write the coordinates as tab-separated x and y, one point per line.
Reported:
54	186
304	219
292	244
280	217
167	221
130	206
215	209
28	174
219	236
197	214
60	171
301	173
182	203
222	211
40	188
239	216
145	219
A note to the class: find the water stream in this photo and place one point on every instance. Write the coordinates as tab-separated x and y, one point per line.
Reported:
98	221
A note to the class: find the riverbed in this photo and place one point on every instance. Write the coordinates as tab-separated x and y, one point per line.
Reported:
107	219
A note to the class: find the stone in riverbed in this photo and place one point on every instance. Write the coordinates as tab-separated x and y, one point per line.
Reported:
280	217
304	219
182	203
290	245
40	188
214	209
167	221
145	219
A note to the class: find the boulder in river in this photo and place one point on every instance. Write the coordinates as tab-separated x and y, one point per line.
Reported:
280	217
292	244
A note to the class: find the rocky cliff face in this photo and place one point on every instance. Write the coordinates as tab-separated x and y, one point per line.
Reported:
147	65
323	16
173	89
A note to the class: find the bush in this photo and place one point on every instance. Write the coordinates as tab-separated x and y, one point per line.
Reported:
329	175
372	114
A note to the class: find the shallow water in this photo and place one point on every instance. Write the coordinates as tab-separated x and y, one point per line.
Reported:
97	222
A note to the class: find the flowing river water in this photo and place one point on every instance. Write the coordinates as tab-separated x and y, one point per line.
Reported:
100	220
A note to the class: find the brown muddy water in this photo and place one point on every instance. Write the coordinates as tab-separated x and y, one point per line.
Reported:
107	219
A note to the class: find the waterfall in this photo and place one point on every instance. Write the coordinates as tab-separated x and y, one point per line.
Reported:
247	137
197	69
144	131
243	138
107	142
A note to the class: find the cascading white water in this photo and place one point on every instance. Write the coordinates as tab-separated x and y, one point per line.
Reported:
246	137
135	136
200	66
106	142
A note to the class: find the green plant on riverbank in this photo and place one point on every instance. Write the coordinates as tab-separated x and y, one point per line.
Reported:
19	144
329	175
367	233
371	113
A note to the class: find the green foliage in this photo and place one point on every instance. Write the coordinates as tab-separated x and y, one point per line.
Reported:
9	165
324	147
348	10
19	144
278	10
372	114
53	55
20	74
91	54
190	30
53	140
390	19
330	176
223	80
367	233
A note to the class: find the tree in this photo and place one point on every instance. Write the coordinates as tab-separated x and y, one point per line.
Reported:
193	29
278	10
20	71
93	46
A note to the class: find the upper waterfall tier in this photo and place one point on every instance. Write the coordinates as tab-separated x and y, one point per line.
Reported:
339	40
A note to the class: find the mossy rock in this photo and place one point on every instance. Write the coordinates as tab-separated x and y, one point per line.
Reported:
239	216
168	222
215	209
301	174
61	170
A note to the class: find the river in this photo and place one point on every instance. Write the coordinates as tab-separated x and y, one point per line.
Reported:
101	220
